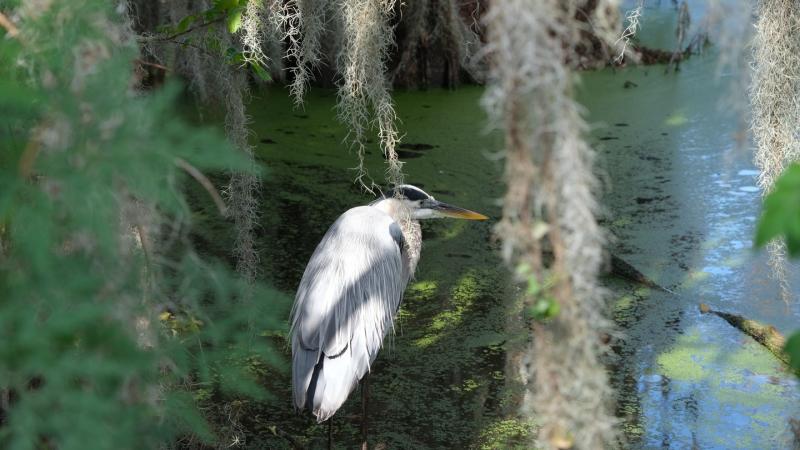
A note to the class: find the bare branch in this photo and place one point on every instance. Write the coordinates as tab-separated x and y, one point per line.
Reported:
205	182
6	23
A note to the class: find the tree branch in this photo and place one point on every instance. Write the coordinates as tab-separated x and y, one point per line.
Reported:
171	38
6	23
205	182
152	64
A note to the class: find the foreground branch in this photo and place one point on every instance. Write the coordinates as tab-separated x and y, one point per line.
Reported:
6	23
205	182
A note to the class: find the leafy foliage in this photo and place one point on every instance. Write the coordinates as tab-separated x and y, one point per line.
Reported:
781	216
94	244
229	11
542	304
793	350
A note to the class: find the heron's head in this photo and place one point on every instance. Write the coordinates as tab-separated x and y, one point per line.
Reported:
423	206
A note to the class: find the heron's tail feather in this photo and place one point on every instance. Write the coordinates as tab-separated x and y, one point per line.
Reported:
334	382
303	368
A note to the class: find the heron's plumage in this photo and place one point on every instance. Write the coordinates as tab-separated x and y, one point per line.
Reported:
346	303
351	291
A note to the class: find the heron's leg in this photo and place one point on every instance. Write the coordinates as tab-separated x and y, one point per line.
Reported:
364	400
330	433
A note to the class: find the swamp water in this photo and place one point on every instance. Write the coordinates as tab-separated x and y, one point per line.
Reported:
681	204
683	207
438	382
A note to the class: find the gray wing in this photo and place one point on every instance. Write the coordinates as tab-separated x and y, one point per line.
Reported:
345	304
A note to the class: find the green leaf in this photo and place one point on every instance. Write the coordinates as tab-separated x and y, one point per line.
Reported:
781	214
211	14
260	72
18	99
544	308
769	227
181	409
234	20
225	5
523	269
183	25
792	349
533	286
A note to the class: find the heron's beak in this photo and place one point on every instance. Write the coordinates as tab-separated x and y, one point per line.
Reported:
446	210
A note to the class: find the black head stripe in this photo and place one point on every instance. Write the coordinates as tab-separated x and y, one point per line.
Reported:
412	193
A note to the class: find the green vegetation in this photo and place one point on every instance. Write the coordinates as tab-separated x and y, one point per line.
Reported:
159	201
228	11
781	216
439	381
91	179
781	219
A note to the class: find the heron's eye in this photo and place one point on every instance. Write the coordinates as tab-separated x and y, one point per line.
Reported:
427	203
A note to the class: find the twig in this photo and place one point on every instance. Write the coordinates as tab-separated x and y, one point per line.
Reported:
632	17
152	64
145	249
187	31
28	158
205	182
6	23
194	46
292	441
194	28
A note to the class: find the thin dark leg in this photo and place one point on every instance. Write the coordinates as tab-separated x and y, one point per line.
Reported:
330	433
364	401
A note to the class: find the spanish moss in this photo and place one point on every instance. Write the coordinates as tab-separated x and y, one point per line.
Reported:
551	186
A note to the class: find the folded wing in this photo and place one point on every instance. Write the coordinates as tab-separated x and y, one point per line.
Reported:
345	304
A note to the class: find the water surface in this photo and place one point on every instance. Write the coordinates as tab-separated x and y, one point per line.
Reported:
681	203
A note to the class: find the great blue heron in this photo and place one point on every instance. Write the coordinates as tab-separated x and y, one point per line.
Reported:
351	291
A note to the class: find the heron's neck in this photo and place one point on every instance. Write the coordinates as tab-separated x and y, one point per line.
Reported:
394	208
412	232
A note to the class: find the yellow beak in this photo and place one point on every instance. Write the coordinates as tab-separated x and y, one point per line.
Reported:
458	213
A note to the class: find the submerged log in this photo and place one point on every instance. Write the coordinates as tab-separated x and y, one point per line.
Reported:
649	56
622	269
764	334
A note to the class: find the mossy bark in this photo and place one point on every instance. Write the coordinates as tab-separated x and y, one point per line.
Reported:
764	334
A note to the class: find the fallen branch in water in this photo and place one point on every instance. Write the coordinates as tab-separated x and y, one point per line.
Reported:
765	335
622	269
